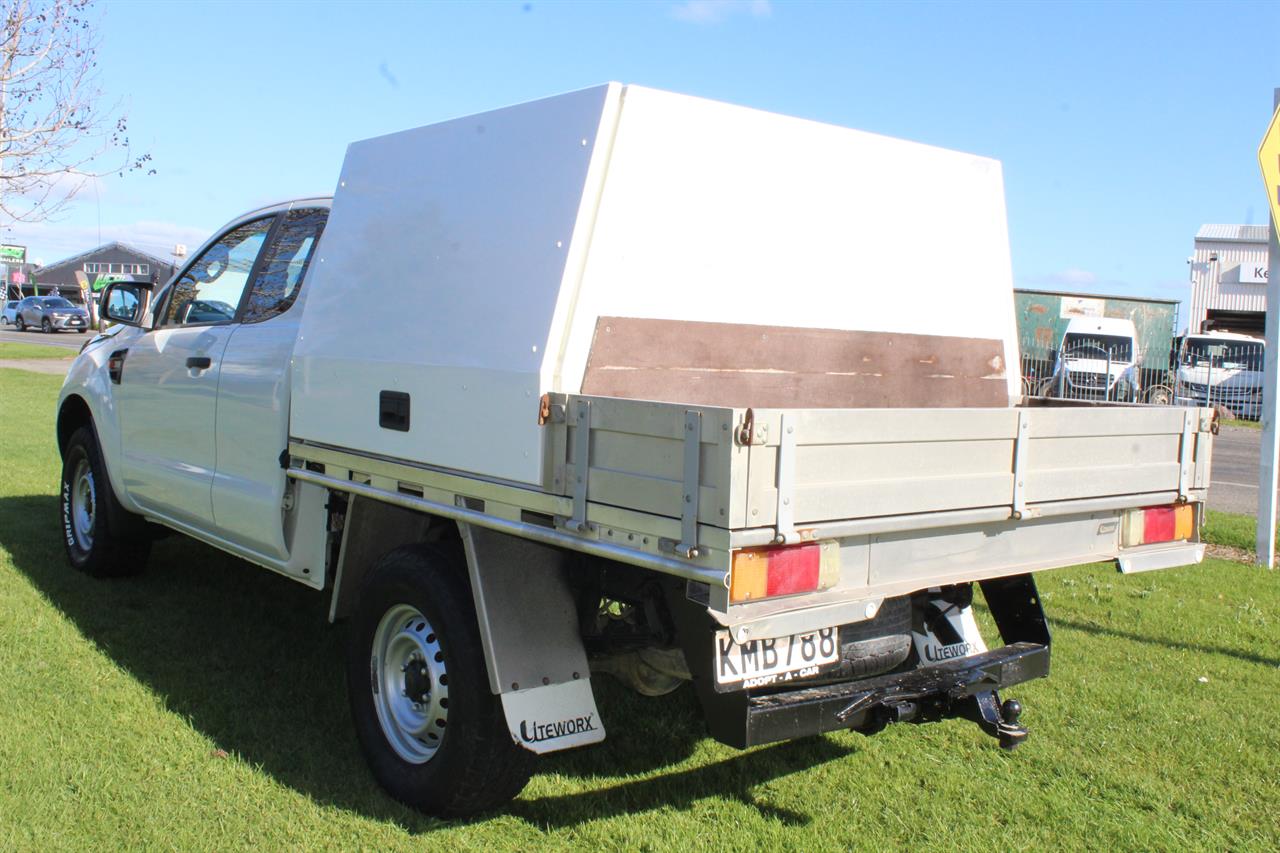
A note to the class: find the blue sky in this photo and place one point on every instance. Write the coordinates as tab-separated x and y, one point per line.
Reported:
1122	126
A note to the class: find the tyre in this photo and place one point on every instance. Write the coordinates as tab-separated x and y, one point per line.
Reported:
101	538
20	323
46	326
433	734
879	644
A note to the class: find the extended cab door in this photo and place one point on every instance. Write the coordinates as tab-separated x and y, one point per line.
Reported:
168	389
253	391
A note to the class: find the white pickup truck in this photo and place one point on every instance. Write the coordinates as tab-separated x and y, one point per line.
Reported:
623	382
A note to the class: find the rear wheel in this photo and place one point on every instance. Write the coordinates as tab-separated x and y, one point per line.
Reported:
879	644
434	735
101	538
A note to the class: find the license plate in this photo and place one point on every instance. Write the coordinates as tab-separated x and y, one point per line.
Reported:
760	663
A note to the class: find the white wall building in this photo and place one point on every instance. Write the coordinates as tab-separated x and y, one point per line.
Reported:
1229	279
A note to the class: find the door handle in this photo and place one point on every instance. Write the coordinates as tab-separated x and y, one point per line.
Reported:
199	362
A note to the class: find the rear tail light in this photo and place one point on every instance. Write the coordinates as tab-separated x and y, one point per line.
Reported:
784	570
1157	524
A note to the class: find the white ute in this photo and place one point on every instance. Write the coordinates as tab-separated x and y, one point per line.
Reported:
623	382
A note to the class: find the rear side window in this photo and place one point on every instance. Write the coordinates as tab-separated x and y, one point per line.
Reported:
279	279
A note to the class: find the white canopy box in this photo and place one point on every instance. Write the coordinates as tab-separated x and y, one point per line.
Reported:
625	242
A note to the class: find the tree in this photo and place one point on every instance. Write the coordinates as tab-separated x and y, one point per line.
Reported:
55	136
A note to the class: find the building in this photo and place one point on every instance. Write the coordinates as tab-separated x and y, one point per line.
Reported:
98	267
1229	279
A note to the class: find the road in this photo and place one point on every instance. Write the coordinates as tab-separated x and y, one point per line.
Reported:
1234	474
70	340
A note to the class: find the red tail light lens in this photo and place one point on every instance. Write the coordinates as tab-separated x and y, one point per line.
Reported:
784	570
1158	524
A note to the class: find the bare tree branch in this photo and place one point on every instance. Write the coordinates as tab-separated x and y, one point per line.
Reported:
55	136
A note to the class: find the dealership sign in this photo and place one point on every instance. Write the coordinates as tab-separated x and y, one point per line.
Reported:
13	254
1253	273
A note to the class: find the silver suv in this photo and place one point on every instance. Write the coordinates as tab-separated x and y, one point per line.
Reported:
50	314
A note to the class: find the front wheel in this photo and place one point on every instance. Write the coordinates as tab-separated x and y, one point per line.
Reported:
101	538
433	734
20	323
46	326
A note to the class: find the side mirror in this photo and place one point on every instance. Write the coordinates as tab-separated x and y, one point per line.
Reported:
125	302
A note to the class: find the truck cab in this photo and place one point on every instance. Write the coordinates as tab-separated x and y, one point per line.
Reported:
1097	359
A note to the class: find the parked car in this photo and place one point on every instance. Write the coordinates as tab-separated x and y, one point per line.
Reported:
51	314
9	313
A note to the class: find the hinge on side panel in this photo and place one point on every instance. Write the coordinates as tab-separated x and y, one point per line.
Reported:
785	525
1189	421
1020	442
581	464
688	546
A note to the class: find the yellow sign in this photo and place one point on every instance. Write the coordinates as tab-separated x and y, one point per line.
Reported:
1269	160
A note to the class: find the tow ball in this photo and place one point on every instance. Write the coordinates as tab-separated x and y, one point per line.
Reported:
996	718
870	715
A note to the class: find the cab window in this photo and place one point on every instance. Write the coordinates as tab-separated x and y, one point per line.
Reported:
279	278
210	289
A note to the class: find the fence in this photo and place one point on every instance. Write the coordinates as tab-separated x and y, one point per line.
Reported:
1198	370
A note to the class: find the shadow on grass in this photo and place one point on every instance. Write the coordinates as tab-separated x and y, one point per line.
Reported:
250	659
732	778
1099	631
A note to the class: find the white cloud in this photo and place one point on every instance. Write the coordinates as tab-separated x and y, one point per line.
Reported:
1066	278
716	11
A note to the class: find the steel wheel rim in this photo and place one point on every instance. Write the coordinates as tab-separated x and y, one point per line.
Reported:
409	683
84	503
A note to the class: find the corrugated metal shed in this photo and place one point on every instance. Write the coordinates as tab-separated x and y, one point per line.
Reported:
1234	233
1222	268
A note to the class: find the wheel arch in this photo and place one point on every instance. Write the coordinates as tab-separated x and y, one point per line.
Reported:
72	414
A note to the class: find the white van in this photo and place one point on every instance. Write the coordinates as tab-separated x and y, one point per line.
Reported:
1097	360
1221	368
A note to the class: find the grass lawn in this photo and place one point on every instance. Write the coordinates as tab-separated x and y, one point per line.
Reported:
201	706
1228	528
9	350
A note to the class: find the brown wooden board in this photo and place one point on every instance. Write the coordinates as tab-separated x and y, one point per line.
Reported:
728	364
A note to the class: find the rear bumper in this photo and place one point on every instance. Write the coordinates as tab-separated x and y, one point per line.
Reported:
933	690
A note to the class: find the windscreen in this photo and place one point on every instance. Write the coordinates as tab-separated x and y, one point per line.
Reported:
1101	347
1237	355
58	302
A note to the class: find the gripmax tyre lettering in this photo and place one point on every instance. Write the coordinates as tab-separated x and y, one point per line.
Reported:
87	506
433	734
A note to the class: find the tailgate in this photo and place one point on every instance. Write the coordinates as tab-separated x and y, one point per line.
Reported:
809	468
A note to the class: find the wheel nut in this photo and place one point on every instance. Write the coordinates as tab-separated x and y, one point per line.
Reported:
422	671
